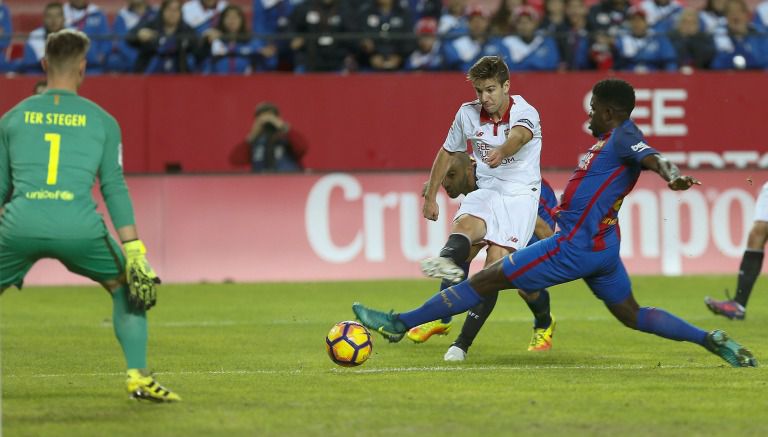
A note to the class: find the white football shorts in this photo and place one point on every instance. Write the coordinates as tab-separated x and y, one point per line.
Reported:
509	220
761	207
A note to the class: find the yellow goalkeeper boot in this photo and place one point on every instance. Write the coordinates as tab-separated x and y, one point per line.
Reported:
421	333
141	386
542	337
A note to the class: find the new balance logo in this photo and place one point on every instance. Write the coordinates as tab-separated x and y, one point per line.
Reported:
640	147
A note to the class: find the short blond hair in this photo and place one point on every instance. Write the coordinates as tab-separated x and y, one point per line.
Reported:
66	46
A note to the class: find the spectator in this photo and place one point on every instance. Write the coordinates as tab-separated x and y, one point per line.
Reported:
640	50
503	20
202	15
695	48
381	20
272	17
229	47
760	22
529	50
555	21
740	48
91	20
271	145
122	57
605	20
662	15
575	42
166	44
713	17
462	52
453	20
427	56
422	8
601	51
6	30
34	49
607	17
326	52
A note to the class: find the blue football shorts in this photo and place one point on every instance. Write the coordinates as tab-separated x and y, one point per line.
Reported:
554	261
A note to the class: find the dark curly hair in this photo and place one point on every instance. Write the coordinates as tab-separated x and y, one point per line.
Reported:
616	93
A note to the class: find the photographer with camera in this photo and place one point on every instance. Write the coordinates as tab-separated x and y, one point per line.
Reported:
271	144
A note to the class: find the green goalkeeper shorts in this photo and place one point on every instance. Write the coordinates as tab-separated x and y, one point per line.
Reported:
100	259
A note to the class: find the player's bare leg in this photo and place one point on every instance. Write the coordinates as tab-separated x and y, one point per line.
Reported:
130	325
657	321
490	280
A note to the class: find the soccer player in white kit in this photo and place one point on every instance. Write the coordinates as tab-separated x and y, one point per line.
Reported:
505	133
751	264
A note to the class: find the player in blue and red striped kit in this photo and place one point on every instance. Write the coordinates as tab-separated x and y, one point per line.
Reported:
587	244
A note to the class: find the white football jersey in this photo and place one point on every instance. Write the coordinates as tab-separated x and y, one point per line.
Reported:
761	206
517	174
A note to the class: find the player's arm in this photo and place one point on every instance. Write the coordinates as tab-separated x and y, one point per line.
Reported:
436	175
518	136
669	172
111	179
455	141
5	166
542	229
141	278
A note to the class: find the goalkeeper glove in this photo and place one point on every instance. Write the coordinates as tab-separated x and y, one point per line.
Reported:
142	280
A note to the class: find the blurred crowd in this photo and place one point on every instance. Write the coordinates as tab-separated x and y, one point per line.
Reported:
214	37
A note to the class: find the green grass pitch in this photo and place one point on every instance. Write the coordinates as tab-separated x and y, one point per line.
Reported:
250	360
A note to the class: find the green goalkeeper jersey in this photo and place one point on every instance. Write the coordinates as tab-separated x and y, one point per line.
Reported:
52	148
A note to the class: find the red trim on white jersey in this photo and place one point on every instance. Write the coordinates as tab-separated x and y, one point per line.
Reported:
486	118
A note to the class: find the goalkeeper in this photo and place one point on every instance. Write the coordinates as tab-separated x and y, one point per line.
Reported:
52	148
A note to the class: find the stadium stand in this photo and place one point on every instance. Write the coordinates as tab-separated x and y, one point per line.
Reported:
26	13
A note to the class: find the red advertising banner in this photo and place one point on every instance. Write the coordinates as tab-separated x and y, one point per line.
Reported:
249	228
398	121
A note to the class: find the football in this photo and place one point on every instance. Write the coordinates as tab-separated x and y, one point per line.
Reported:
348	344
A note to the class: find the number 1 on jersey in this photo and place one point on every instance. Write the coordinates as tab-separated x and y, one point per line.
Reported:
53	157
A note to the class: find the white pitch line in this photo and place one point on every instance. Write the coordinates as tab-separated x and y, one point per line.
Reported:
457	368
517	368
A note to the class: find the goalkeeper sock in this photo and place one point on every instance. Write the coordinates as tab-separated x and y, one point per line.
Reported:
659	322
130	329
452	300
446	283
